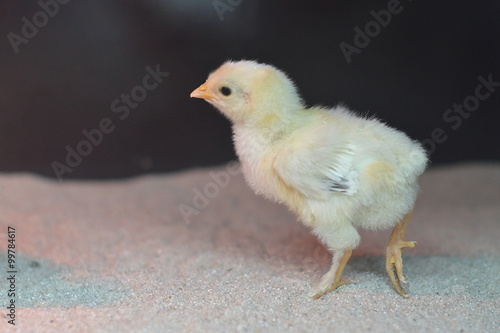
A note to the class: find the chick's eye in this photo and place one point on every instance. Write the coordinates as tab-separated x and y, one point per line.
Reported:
225	91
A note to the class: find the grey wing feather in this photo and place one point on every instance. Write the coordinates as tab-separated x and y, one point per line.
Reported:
341	177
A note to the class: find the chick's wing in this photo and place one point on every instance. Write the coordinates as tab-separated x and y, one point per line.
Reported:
316	169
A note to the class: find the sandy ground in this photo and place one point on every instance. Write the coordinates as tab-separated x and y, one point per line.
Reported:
119	256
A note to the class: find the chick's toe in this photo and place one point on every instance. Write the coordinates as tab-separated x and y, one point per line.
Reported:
393	253
332	280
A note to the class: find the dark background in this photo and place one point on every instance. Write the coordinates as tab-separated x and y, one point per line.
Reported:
64	79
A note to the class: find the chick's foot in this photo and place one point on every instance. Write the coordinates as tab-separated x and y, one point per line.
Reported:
393	255
332	280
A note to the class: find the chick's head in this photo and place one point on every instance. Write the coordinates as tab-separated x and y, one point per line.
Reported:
245	90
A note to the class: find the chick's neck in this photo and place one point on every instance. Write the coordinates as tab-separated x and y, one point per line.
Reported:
275	126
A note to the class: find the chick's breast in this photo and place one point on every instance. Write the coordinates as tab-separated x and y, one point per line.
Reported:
257	153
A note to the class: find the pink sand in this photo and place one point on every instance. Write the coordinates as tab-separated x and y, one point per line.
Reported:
117	256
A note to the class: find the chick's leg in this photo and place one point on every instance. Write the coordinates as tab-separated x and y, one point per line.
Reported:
332	280
393	259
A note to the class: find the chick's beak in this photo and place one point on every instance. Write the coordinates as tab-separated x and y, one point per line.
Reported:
201	92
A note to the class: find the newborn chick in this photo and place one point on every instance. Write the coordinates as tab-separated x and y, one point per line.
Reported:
335	170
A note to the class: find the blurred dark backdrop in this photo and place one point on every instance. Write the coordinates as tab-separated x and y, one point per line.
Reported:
64	63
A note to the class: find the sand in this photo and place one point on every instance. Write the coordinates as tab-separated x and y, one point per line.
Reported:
119	256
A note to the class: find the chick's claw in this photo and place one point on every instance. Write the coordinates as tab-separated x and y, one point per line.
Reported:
394	260
394	268
332	279
318	292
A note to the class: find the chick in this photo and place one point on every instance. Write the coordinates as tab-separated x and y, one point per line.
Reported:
335	170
